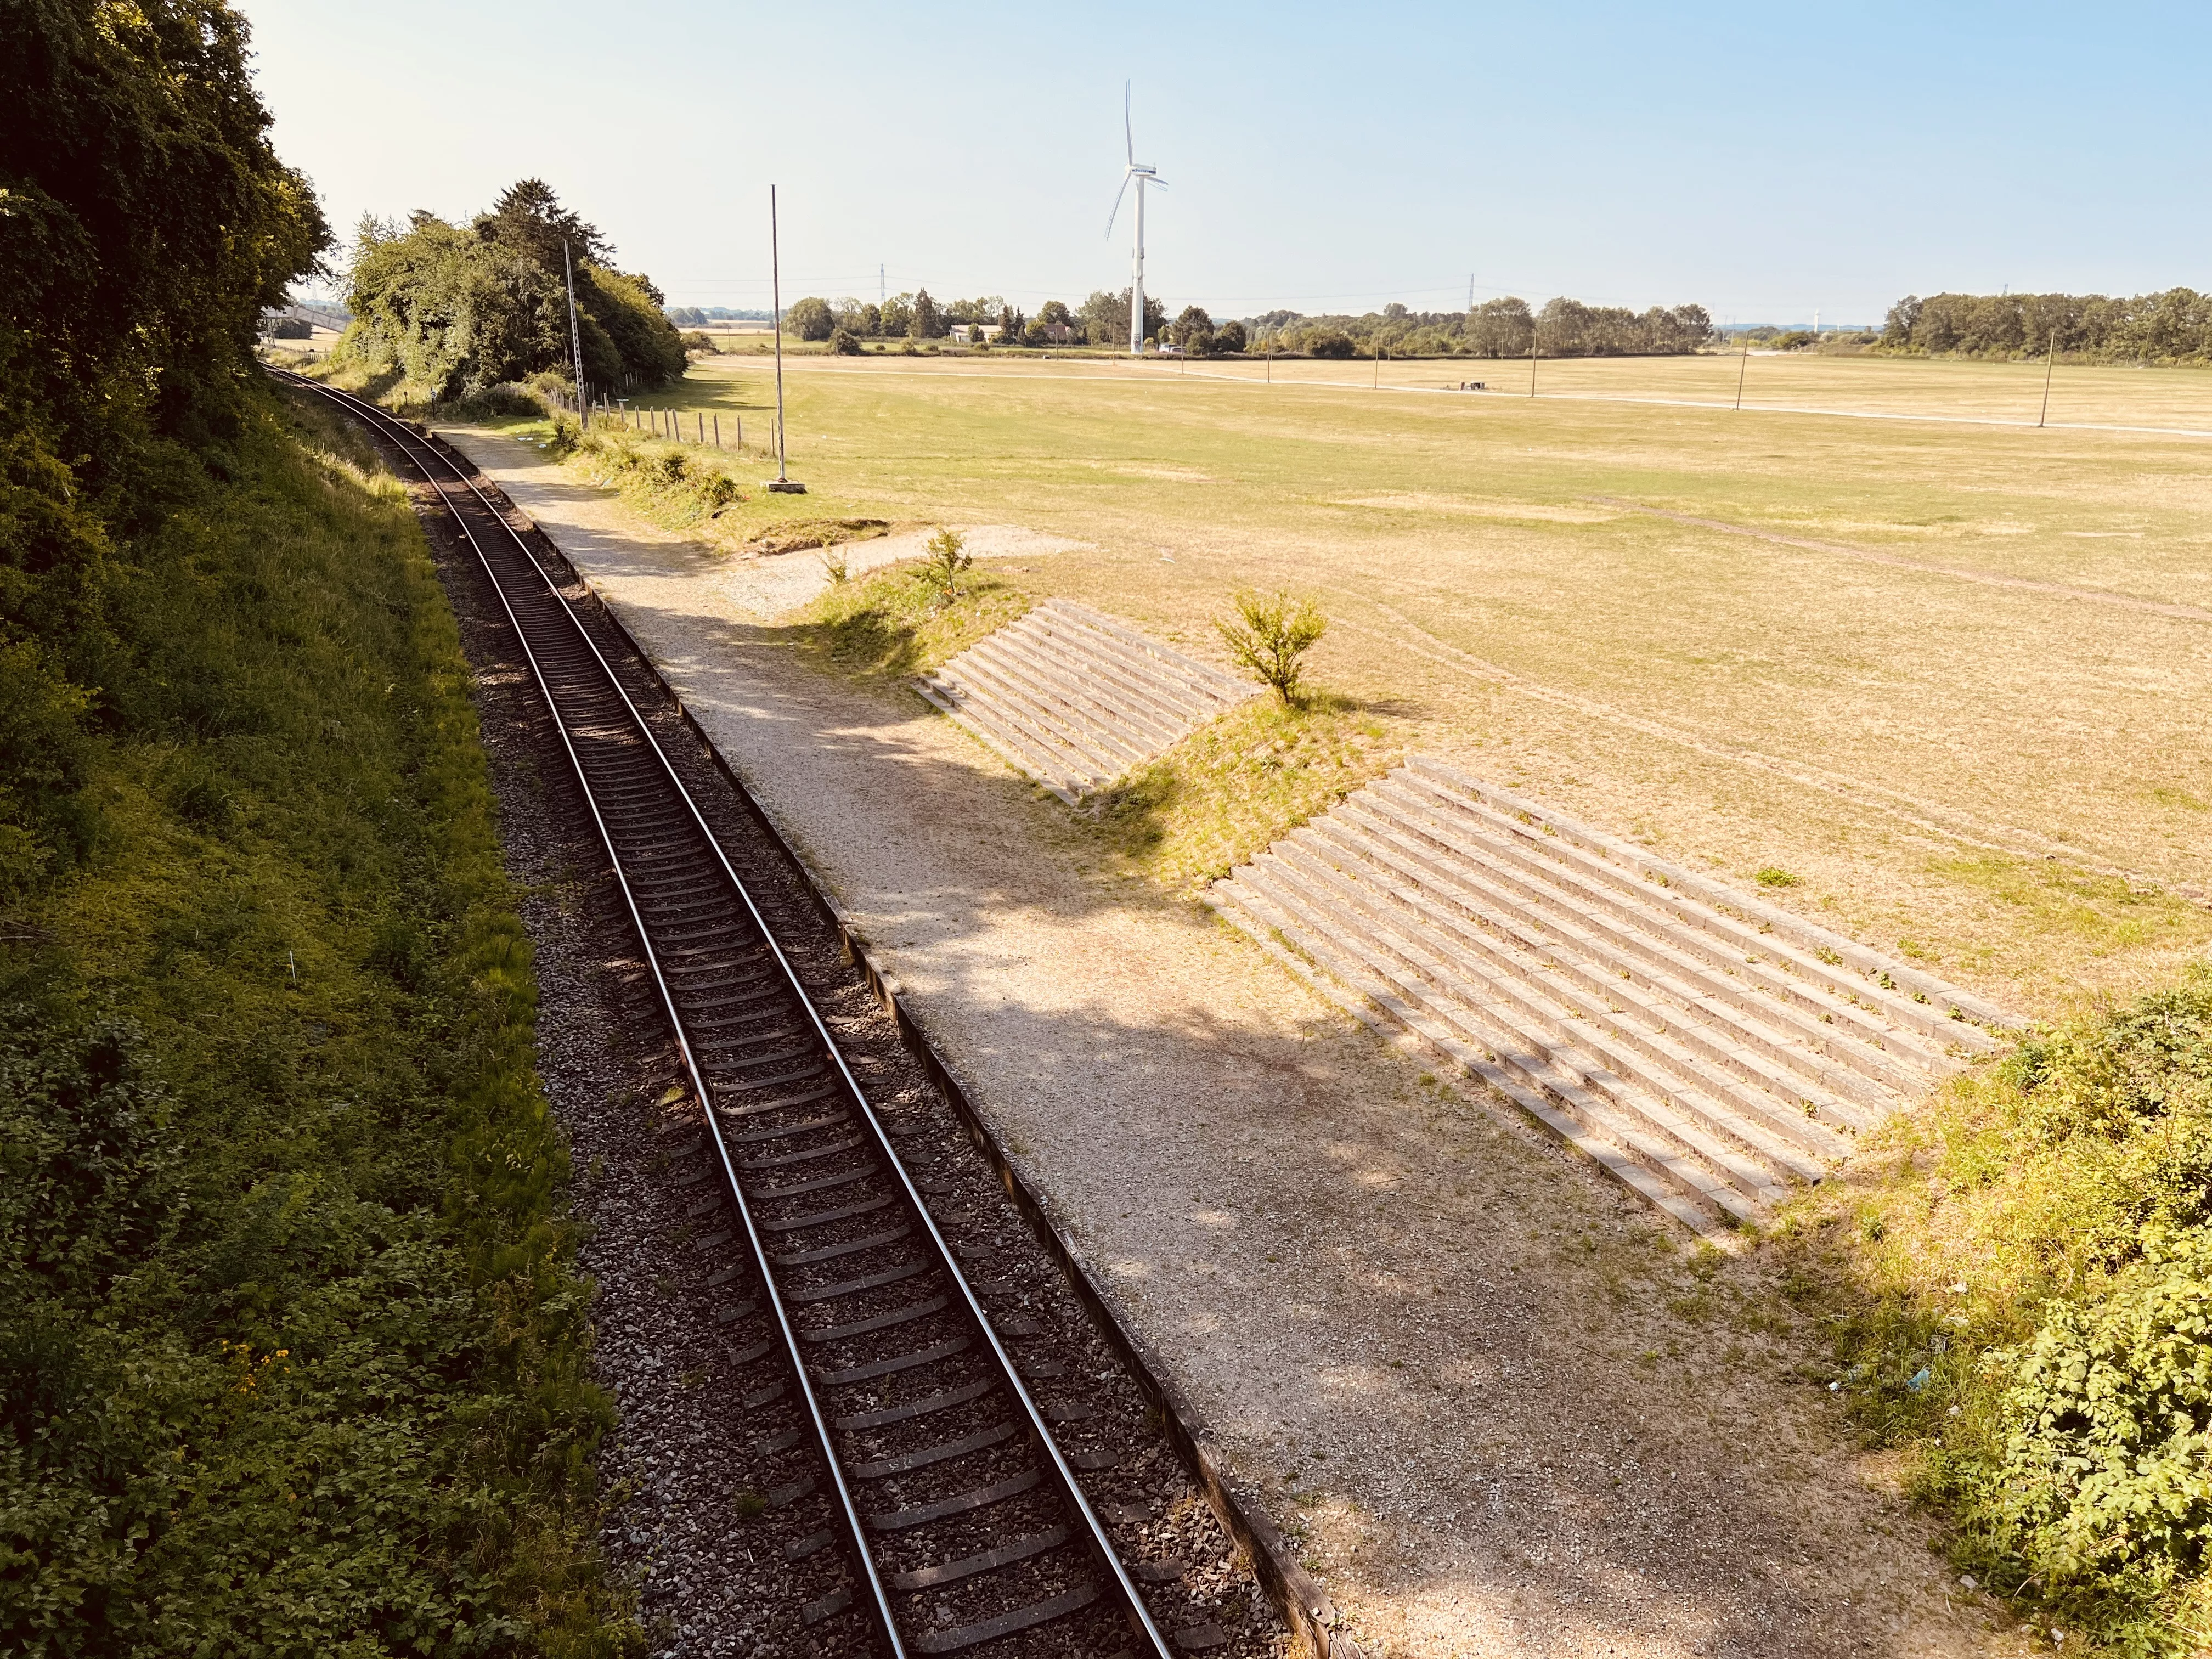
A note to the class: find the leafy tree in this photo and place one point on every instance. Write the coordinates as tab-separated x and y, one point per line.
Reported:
1052	313
1330	342
145	222
927	322
810	320
843	343
1229	336
1193	330
1270	636
461	309
894	317
529	217
1106	318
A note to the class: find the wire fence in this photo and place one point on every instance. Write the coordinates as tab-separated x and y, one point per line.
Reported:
701	427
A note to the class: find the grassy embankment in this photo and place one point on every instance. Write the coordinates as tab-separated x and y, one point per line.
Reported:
290	1335
2020	1281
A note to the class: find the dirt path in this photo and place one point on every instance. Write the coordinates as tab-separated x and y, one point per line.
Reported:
1506	1413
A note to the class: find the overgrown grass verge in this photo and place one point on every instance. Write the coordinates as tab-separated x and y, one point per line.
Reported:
292	1349
892	622
2020	1281
1236	785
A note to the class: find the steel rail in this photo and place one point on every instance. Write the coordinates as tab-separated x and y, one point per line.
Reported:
403	438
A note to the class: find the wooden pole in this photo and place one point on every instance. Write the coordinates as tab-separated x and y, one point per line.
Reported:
718	429
2050	363
1743	369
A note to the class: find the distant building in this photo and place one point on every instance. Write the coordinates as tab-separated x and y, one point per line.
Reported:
969	333
1060	333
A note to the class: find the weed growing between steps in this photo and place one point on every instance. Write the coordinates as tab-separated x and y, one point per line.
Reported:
893	624
1238	784
2020	1276
291	1348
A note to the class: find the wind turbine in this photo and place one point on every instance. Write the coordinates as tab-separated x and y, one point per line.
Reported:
1144	175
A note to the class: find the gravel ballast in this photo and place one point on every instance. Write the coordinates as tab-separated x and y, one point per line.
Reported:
717	1500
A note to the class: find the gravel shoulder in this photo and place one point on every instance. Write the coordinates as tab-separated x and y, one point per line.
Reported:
1500	1409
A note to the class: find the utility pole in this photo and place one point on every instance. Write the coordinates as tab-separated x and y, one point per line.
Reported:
575	339
1532	356
1378	363
2050	363
883	288
1742	369
782	483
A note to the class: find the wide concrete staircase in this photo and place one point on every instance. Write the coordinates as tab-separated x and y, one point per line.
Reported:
1075	699
1707	1048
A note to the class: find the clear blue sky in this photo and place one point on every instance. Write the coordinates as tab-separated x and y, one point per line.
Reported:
1766	161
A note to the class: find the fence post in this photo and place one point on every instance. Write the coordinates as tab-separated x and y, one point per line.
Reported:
718	429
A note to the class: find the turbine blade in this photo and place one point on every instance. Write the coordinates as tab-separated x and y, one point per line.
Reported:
1116	213
1129	137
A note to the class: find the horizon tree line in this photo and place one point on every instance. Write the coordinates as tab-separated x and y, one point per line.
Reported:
1505	327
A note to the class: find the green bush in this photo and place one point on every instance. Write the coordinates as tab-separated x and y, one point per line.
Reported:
2104	1483
1270	637
2027	1301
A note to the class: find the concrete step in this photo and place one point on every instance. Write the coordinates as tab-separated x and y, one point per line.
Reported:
1457	1028
1076	699
1645	1079
1041	695
1225	689
1117	712
1140	682
1001	729
1734	914
1698	1043
1386	1014
1913	1034
1855	1081
1759	1109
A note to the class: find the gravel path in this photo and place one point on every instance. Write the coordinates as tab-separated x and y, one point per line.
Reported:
719	1500
1504	1411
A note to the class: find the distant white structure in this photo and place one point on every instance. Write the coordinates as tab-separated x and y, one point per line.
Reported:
1144	175
970	333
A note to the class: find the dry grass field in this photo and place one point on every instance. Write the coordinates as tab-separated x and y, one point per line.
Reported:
1945	681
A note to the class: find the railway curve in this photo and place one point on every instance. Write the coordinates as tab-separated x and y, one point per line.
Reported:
960	1518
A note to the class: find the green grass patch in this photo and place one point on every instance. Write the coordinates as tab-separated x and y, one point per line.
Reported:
292	1348
2049	898
893	624
2019	1279
1235	785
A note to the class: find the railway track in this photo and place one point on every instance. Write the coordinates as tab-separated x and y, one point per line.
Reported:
960	1520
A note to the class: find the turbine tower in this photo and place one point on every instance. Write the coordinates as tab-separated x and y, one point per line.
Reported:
1143	175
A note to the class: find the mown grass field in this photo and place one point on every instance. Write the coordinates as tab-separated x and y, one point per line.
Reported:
2007	781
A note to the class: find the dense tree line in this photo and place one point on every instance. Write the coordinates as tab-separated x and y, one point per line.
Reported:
1496	328
700	316
2173	325
461	307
